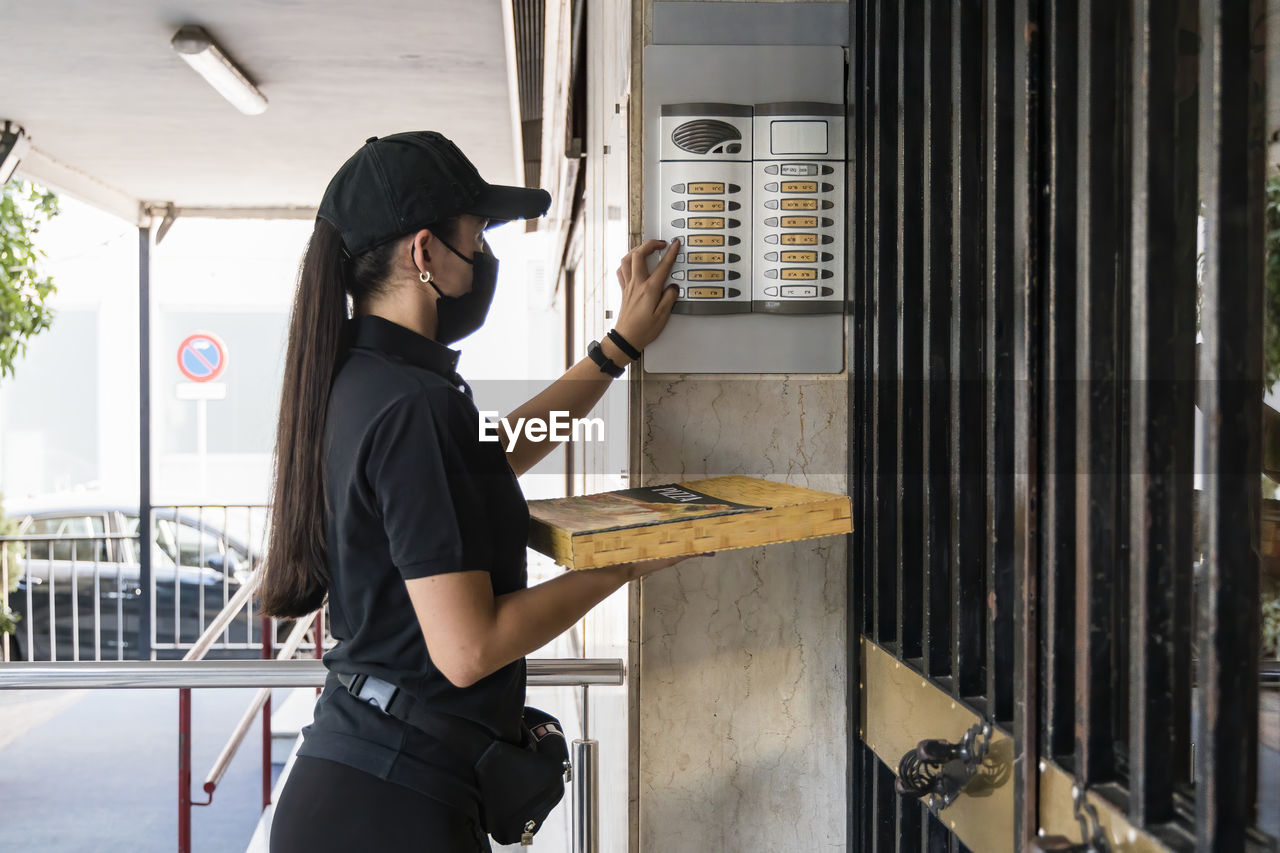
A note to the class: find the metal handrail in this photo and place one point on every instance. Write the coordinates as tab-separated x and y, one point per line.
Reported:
201	646
93	675
259	700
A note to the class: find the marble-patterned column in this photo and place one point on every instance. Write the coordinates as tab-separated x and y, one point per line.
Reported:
740	677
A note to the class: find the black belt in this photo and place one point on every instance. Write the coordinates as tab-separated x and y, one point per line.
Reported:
464	737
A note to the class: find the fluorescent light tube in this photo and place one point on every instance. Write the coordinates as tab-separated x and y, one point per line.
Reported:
200	51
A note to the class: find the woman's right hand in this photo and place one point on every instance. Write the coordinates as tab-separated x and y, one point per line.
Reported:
640	568
647	297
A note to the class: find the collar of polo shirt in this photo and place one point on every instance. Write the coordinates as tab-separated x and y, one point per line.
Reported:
373	332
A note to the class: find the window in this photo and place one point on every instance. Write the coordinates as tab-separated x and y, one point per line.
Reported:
86	550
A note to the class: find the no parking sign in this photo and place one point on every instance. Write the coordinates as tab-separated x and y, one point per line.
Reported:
202	357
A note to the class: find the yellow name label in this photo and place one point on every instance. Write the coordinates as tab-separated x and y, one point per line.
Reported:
705	240
799	257
799	204
706	188
706	275
705	292
799	239
708	204
706	257
799	275
796	222
799	186
716	222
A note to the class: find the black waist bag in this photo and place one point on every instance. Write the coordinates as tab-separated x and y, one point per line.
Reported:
520	783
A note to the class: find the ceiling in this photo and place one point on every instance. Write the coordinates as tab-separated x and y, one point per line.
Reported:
116	117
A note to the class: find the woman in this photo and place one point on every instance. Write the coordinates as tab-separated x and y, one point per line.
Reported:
385	498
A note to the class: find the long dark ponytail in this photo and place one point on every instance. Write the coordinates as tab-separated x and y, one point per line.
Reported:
296	575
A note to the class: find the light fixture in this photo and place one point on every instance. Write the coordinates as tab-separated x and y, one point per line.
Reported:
13	144
203	54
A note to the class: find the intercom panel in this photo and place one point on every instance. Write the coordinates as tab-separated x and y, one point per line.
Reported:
798	228
756	195
706	202
744	161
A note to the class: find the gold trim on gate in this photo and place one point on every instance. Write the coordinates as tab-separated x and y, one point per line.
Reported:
900	708
1058	815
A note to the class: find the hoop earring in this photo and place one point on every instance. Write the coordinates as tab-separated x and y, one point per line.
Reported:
425	277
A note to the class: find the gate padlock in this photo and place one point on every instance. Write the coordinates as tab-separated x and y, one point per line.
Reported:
936	771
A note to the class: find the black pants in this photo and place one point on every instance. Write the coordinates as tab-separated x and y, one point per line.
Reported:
329	806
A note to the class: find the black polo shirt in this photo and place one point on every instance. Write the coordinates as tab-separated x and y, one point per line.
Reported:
412	492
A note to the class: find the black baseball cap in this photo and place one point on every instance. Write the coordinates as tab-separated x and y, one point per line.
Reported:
398	183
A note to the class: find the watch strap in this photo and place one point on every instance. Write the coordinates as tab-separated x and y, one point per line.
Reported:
607	365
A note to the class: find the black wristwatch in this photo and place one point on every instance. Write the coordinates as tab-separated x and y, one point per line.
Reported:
607	365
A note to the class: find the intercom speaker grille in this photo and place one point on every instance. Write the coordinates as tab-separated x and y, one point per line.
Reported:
707	136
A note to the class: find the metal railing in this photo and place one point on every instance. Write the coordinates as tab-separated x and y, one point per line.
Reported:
193	671
185	675
98	675
184	533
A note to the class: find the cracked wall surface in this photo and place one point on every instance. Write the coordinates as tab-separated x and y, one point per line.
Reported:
742	667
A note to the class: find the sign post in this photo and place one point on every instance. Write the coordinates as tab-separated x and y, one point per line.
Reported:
202	358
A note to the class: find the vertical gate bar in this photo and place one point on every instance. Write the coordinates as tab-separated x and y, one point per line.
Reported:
1186	180
1027	215
908	809
1057	402
1163	326
937	839
854	590
1231	151
859	779
871	276
998	353
1095	402
886	282
910	531
966	365
936	300
866	799
1119	599
885	823
860	280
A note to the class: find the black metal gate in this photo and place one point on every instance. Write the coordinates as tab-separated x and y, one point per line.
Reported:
1028	180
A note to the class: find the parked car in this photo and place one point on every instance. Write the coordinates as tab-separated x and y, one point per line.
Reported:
195	569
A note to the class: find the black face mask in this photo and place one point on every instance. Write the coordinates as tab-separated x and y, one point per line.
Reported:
459	316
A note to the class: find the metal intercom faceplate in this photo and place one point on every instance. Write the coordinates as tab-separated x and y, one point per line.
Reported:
718	118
